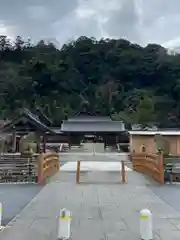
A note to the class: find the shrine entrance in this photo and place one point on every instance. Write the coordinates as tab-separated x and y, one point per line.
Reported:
89	129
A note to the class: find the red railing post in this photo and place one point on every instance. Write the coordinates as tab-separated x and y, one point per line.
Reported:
123	172
78	172
40	159
161	167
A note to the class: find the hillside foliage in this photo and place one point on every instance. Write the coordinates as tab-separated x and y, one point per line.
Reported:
128	81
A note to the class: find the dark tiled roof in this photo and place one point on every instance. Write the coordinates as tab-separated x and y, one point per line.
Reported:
57	130
106	126
34	119
43	117
30	114
87	118
3	122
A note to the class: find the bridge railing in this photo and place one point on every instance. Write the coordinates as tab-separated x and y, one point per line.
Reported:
122	167
48	165
149	164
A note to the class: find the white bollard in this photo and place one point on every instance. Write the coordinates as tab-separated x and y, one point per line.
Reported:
146	231
0	215
64	225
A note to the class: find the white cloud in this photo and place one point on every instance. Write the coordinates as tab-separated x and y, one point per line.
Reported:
139	21
3	29
88	18
173	43
6	30
38	12
84	13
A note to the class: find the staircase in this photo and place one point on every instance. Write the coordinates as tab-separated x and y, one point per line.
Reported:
76	148
65	148
99	147
89	148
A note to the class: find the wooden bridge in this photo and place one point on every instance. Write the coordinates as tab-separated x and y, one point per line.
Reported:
27	169
38	168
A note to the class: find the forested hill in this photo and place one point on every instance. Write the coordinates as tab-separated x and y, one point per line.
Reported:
138	84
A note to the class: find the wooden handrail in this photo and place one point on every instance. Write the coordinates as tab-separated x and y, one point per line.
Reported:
78	172
150	164
48	165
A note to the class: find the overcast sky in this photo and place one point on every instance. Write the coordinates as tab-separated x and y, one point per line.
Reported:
140	21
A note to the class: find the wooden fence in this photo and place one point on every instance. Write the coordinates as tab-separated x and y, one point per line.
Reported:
122	170
48	165
150	164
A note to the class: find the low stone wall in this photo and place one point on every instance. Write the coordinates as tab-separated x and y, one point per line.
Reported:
48	165
149	164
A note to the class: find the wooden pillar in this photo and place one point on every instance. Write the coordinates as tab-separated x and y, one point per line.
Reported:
38	141
44	142
105	142
117	139
40	176
131	148
14	140
123	172
69	141
161	166
17	143
78	172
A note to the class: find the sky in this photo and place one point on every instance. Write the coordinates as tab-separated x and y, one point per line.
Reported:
140	21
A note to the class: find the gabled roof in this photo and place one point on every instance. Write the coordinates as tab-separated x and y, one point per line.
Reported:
89	122
89	118
43	118
34	119
94	126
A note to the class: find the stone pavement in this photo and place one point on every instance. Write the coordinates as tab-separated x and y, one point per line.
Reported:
102	209
14	197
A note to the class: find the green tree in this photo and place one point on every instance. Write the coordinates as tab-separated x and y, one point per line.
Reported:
128	81
144	113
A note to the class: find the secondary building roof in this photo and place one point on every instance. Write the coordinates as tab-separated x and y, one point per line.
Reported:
151	133
42	117
25	114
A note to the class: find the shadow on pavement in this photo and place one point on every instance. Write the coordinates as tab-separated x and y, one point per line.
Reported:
14	197
169	193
